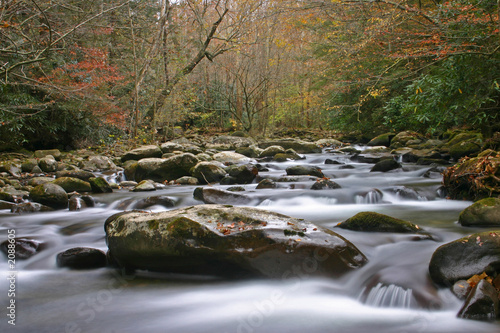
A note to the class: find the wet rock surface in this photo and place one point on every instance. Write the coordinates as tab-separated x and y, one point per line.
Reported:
227	241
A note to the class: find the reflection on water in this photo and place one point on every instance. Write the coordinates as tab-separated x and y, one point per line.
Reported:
392	293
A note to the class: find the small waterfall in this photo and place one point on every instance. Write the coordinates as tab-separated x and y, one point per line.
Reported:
371	197
391	296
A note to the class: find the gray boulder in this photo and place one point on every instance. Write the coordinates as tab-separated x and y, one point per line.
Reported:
301	147
211	195
51	195
159	169
481	304
465	257
271	151
228	157
208	172
385	165
81	258
48	164
70	184
228	241
142	152
302	170
52	152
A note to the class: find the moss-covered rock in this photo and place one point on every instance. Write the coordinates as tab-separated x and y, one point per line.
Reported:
211	195
302	170
381	140
70	184
385	165
465	257
227	241
144	186
465	148
139	153
301	147
242	174
208	172
80	174
376	222
271	151
100	185
485	212
402	138
51	195
159	170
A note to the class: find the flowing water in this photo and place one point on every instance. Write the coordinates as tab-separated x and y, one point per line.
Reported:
392	293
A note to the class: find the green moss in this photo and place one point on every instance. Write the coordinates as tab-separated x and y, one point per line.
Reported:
371	221
154	224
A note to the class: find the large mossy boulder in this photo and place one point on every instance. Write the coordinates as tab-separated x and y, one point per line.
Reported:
301	147
80	174
485	212
304	170
139	153
159	169
48	164
474	178
208	172
466	257
227	241
376	222
462	149
381	140
70	184
51	195
403	139
242	174
229	142
271	151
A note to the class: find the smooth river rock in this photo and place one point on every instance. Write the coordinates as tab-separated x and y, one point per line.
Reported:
229	241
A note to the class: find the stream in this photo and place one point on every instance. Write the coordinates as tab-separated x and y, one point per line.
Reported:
391	293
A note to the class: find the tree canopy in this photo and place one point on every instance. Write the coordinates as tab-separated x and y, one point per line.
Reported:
76	73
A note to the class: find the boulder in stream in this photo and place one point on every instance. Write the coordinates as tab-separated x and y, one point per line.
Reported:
211	195
100	185
227	241
482	303
208	172
376	222
81	258
159	169
465	257
51	195
24	247
485	212
298	170
142	152
385	165
70	184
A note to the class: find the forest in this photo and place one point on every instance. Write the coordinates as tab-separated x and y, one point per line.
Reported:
77	73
